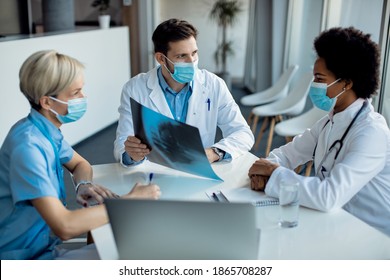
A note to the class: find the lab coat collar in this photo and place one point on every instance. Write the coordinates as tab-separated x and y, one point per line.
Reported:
199	77
199	84
349	113
198	96
156	94
153	79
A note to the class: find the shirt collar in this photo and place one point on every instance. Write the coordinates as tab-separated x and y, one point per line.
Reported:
53	131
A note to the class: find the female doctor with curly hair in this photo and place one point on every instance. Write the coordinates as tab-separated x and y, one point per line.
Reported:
350	146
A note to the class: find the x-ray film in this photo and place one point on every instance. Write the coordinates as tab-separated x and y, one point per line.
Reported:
173	144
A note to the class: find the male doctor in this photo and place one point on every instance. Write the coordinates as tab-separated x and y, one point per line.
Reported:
178	89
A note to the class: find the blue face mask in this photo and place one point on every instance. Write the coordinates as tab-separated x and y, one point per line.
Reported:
319	98
76	109
183	72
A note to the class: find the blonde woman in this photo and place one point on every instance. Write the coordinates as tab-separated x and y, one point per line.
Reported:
32	191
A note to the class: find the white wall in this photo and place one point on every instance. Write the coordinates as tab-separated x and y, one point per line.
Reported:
197	13
105	54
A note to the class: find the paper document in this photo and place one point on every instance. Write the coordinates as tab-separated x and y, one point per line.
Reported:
245	194
172	143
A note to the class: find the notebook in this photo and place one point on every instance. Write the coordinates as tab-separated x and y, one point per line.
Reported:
189	230
243	194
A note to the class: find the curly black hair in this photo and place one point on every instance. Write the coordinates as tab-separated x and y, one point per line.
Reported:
351	55
172	30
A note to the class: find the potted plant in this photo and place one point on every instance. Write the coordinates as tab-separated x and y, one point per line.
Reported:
104	17
225	13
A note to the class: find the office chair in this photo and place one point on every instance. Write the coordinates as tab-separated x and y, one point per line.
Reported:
292	105
271	94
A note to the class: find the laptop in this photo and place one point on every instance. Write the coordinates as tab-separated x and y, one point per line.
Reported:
183	230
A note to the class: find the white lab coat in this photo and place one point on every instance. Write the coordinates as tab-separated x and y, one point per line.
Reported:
221	111
358	180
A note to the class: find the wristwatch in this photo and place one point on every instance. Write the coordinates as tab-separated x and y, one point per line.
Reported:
219	153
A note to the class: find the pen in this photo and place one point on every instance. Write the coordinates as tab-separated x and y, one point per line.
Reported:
215	196
208	104
150	178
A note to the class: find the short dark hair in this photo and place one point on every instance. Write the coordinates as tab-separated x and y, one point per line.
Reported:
352	55
172	30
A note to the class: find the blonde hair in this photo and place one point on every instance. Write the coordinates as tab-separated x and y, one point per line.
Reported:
47	73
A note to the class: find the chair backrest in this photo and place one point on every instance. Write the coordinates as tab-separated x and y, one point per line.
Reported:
275	92
299	124
296	98
293	104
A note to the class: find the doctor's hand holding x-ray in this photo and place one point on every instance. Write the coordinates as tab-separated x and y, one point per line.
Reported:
350	147
138	150
178	89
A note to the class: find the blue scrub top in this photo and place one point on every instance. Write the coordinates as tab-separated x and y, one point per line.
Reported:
28	171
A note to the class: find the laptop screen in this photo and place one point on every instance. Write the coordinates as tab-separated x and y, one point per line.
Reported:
167	229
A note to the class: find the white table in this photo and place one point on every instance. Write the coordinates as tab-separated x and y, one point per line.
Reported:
335	235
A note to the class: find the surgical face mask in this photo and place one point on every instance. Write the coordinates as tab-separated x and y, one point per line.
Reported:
319	98
76	109
183	72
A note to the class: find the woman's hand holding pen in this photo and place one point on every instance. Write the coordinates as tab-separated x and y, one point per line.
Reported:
135	148
150	191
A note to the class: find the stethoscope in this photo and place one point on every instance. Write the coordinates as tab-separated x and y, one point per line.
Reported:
338	144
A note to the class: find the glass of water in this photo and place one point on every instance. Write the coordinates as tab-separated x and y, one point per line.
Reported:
289	203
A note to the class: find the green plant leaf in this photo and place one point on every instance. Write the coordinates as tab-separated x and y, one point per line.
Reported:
225	14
